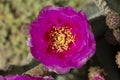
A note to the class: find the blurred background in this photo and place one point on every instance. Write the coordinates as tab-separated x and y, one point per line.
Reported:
16	13
13	15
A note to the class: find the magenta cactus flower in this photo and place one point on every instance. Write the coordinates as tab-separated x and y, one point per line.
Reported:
61	39
25	77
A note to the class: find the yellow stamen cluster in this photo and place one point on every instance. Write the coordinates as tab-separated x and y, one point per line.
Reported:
60	38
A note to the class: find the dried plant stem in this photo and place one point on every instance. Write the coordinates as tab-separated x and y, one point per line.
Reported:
116	33
103	6
37	70
112	18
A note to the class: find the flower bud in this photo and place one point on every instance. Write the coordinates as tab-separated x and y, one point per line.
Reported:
96	73
118	59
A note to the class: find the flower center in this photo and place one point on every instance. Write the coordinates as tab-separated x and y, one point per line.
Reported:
60	38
